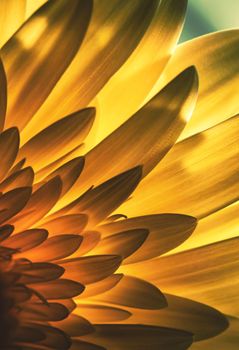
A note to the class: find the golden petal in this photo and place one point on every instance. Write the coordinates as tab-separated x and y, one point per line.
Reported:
58	289
134	292
200	319
154	129
128	88
12	15
123	243
91	269
9	144
218	71
68	224
207	274
27	55
57	139
102	313
115	30
166	231
20	178
3	93
26	240
101	286
139	337
198	177
75	325
43	312
38	272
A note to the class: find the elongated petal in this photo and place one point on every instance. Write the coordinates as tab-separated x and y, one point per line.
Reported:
125	92
102	200
39	272
198	177
13	202
56	247
56	140
26	240
75	325
101	313
228	340
59	289
91	269
136	293
166	231
101	286
67	224
200	319
124	243
138	337
207	274
5	232
39	204
42	312
218	71
153	129
9	143
21	178
3	93
115	30
27	55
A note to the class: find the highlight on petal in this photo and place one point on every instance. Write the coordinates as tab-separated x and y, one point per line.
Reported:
102	313
219	78
90	269
57	139
26	55
58	289
136	293
154	129
198	177
20	178
115	30
166	231
75	325
67	224
102	286
26	240
206	274
125	92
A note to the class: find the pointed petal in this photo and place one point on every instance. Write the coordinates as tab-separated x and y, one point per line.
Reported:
39	204
13	202
26	240
125	93
91	269
101	313
59	289
208	274
58	139
218	71
116	29
166	231
101	286
43	312
153	129
136	293
39	272
102	200
124	243
75	325
21	178
139	337
9	144
5	232
67	224
56	247
27	66
198	177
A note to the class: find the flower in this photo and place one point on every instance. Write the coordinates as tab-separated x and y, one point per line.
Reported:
74	272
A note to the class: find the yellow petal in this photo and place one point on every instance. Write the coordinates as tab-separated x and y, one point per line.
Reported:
115	30
9	143
27	56
199	176
3	95
216	59
12	14
21	178
146	137
206	274
57	139
101	313
128	88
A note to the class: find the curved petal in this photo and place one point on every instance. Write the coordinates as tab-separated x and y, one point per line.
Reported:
128	88
75	325
67	224
26	55
102	313
101	286
26	240
219	78
21	178
3	93
58	289
115	30
198	177
9	144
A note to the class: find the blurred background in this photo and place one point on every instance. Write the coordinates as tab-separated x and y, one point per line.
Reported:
205	16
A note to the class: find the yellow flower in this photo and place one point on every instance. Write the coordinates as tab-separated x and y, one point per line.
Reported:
92	97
